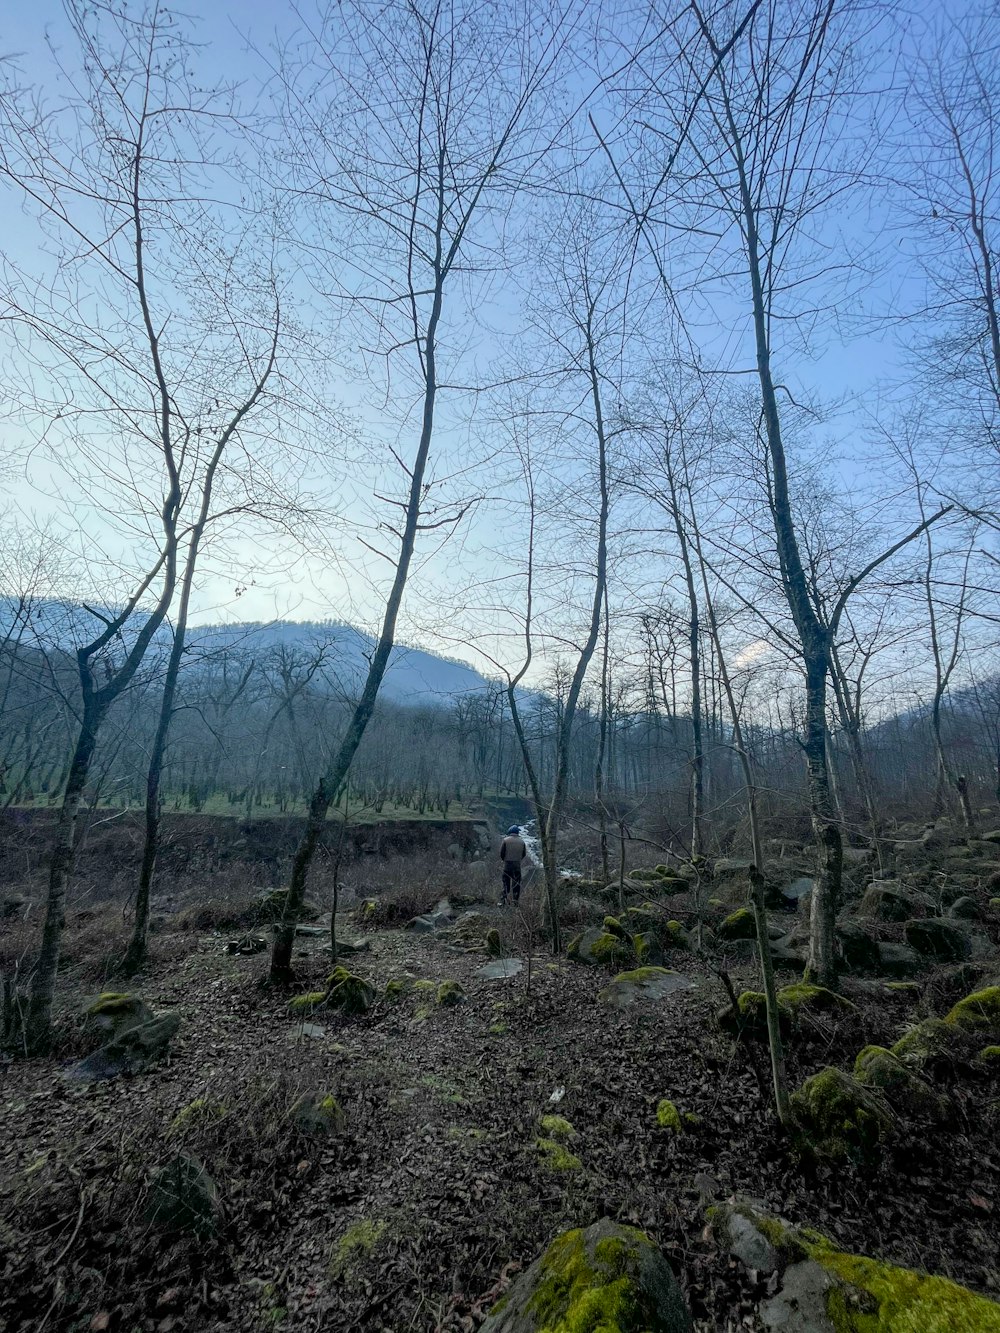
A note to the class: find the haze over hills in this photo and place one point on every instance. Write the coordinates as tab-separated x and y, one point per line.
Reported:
414	675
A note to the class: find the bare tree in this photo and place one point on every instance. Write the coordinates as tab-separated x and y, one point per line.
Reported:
122	339
407	184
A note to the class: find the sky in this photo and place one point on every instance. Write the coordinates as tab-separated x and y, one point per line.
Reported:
852	367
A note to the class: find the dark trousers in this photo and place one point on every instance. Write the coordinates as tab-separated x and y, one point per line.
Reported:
512	879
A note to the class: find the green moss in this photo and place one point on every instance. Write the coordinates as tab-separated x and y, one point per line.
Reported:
642	945
494	946
369	909
904	1090
804	995
692	1120
995	904
114	1003
356	1244
933	1039
989	1055
678	937
497	1029
448	994
899	1300
556	1157
202	1111
305	1004
317	1115
349	993
614	927
640	974
557	1127
839	1117
426	986
578	1293
668	1116
394	990
979	1011
611	950
903	988
739	925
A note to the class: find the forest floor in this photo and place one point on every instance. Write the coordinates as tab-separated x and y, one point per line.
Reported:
422	1210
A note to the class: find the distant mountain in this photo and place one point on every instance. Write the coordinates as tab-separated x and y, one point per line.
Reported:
414	676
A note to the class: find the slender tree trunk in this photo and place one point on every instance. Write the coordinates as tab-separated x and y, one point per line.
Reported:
43	982
602	814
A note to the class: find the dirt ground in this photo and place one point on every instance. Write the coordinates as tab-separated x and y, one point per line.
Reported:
420	1212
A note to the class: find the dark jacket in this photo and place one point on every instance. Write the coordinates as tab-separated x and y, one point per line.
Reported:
513	848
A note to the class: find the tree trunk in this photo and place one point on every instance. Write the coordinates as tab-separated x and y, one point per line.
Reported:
38	1020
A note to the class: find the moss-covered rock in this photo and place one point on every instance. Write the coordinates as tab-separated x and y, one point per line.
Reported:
114	1012
647	950
448	994
349	993
739	925
978	1012
395	989
494	945
749	1018
317	1115
556	1156
131	1051
301	1006
668	1116
840	1118
642	983
557	1127
932	1042
941	940
889	900
804	997
607	1279
905	1091
858	950
601	947
989	1058
823	1288
614	927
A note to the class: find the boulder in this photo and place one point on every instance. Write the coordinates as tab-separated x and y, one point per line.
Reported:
129	1052
317	1115
608	1277
889	900
348	947
965	909
184	1197
858	950
115	1012
499	969
908	1094
898	960
838	1117
935	938
600	946
799	888
247	945
739	925
644	983
349	993
818	1288
442	918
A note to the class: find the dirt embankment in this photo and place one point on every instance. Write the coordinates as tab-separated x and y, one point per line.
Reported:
229	850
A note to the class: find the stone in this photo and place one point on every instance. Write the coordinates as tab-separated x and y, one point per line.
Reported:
116	1011
798	888
184	1197
839	1118
247	945
746	1243
822	1289
349	947
500	969
601	947
858	949
644	983
311	932
349	993
907	1093
938	939
898	960
130	1052
317	1115
739	925
442	918
608	1278
889	900
965	909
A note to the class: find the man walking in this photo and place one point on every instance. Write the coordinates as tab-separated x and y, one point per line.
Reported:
513	850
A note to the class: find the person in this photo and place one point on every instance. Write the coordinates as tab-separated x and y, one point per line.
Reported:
513	850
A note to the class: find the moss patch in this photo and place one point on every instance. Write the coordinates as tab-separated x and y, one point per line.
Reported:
303	1005
804	995
739	925
668	1116
448	994
349	993
978	1012
839	1117
556	1157
356	1244
557	1127
197	1114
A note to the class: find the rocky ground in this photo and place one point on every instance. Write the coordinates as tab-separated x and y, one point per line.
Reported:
440	1184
